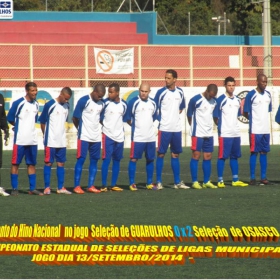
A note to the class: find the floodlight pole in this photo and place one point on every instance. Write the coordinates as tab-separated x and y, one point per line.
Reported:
130	10
267	41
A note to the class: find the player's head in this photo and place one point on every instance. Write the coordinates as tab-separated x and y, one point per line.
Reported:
98	92
229	84
31	91
144	91
170	78
211	91
114	92
65	95
261	82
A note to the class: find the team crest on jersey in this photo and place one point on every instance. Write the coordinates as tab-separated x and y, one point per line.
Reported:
242	96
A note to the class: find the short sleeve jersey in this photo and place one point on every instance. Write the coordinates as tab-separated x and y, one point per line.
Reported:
258	105
88	112
25	115
54	116
142	113
169	103
201	111
227	111
112	117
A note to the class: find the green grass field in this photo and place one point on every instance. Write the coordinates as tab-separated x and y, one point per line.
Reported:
250	206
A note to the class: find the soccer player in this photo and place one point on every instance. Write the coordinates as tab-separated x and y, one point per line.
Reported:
112	118
23	115
170	102
142	111
200	118
86	119
226	117
3	126
52	119
256	109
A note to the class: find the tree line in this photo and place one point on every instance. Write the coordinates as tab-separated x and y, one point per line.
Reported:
176	17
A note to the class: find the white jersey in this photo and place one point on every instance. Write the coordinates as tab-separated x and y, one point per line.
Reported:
201	111
142	114
24	115
258	105
170	103
227	112
88	112
54	116
112	117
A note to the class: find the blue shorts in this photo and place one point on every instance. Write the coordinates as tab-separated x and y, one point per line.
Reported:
83	147
111	148
137	149
229	147
259	143
206	144
58	154
29	152
173	138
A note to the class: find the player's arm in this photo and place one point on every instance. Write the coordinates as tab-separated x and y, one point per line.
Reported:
277	116
247	106
129	122
76	122
190	120
43	126
190	110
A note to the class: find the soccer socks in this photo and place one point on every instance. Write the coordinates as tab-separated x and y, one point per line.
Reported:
78	171
32	182
159	168
175	164
253	162
14	181
150	171
234	169
47	175
131	171
263	164
194	169
206	167
115	172
104	171
220	169
60	173
92	170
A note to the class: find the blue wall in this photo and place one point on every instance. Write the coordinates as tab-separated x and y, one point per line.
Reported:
146	23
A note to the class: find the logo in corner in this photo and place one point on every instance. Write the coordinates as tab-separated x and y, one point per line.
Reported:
242	96
6	9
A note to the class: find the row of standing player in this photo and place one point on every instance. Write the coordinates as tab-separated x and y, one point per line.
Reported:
140	113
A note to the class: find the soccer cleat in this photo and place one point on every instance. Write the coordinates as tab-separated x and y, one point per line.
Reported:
35	192
14	192
159	186
116	189
47	190
78	190
209	185
152	187
133	187
221	184
181	185
2	192
93	189
239	184
253	182
63	191
265	182
196	186
103	189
